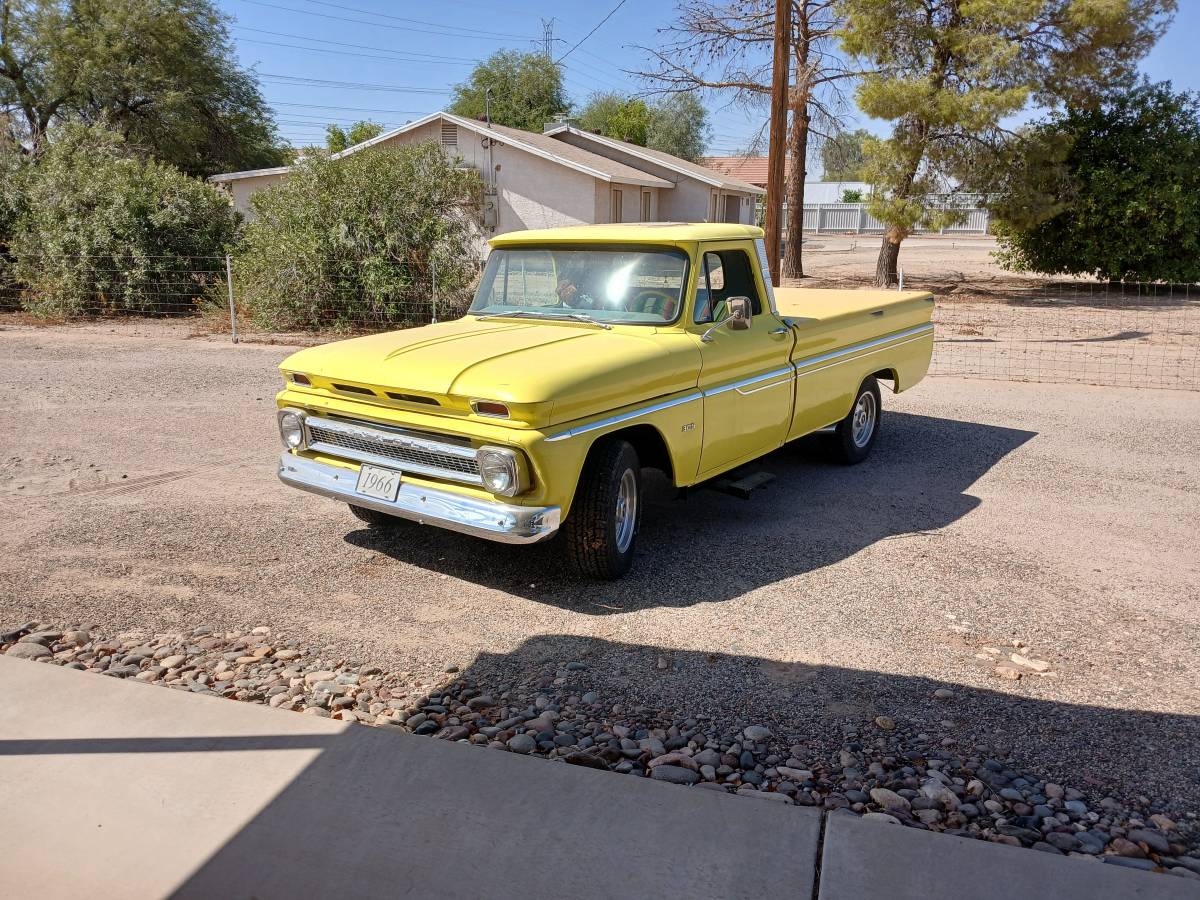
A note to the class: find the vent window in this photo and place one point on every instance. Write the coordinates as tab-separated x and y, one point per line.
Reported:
449	134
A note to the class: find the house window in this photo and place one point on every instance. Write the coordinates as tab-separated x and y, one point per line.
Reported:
616	205
645	206
449	134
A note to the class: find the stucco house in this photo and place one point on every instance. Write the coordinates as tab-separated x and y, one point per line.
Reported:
561	177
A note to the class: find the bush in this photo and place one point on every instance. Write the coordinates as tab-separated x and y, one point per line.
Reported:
353	241
99	230
1112	192
851	196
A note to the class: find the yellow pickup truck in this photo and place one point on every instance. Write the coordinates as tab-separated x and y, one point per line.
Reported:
588	354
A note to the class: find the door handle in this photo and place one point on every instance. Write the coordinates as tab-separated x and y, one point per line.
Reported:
877	312
782	329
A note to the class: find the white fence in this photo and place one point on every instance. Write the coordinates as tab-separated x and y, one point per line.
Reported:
853	218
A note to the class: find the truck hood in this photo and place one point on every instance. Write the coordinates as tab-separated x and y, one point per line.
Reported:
547	372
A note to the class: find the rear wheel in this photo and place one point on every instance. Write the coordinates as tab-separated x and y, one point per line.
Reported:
374	517
601	531
855	435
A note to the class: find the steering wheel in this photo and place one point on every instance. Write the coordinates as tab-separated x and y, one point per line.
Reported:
654	301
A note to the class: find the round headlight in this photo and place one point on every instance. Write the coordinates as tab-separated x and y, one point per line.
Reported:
503	471
291	429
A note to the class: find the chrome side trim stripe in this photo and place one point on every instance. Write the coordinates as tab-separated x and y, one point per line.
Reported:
624	417
785	375
753	379
838	362
918	331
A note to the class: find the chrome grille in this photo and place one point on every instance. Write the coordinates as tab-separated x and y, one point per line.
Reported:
404	450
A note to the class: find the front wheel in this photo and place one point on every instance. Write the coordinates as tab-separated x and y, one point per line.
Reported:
855	435
601	530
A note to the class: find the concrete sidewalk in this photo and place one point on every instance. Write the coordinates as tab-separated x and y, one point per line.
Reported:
115	788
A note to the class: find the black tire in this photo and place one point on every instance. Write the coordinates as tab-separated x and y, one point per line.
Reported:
849	445
591	540
374	517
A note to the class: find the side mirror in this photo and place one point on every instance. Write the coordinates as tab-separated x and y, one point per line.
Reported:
739	313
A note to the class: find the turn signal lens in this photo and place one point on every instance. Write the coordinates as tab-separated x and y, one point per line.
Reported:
291	428
503	471
490	408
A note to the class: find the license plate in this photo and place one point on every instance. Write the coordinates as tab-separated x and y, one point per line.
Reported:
382	484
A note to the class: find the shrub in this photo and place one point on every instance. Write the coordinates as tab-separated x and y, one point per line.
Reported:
357	240
1112	191
100	230
851	196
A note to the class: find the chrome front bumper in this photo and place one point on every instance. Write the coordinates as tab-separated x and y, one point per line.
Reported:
467	515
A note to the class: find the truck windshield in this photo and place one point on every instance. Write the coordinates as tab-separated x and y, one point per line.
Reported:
636	287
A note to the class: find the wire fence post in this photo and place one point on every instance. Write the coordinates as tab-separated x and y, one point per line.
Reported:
232	305
433	293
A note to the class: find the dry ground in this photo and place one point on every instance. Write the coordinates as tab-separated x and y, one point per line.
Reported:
138	490
997	324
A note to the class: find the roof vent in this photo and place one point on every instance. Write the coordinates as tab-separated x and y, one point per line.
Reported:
449	134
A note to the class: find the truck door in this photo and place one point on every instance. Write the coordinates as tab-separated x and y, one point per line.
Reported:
746	376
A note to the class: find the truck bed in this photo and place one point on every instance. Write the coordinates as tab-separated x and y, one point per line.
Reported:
818	304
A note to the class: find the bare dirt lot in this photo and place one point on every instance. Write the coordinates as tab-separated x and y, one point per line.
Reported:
997	324
138	490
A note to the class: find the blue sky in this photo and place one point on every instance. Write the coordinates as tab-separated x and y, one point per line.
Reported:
395	61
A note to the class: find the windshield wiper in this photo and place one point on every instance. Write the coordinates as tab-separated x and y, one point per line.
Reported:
526	314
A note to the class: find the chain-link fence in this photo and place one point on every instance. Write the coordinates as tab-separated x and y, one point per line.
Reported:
1122	334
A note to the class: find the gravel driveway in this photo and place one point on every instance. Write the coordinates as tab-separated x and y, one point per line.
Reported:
1057	522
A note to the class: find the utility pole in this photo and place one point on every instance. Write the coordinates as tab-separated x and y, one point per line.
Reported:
777	147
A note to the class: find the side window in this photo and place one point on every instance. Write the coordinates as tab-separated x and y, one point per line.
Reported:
724	274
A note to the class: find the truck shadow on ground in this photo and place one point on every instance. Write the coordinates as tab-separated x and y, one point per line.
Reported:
709	547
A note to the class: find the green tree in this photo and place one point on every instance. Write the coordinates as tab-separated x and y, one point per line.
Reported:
338	139
1112	191
947	72
842	156
161	72
616	116
342	243
100	229
526	91
679	126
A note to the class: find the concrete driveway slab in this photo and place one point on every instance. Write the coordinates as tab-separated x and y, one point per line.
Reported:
861	858
115	788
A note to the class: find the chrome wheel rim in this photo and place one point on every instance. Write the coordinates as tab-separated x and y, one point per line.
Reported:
626	513
862	425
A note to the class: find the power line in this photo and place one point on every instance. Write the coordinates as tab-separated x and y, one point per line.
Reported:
349	85
395	112
405	28
304	37
432	62
611	13
371	12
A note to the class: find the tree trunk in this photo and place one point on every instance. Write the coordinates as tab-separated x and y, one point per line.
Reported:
793	259
886	270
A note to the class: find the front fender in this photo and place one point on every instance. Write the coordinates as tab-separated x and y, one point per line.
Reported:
558	454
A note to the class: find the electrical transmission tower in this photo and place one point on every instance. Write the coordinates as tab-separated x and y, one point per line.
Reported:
548	37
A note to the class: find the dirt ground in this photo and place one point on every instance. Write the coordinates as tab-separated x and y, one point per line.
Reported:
1001	325
138	490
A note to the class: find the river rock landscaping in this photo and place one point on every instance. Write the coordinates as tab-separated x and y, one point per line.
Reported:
883	771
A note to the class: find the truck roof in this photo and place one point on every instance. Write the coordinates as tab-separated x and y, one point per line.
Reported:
632	233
